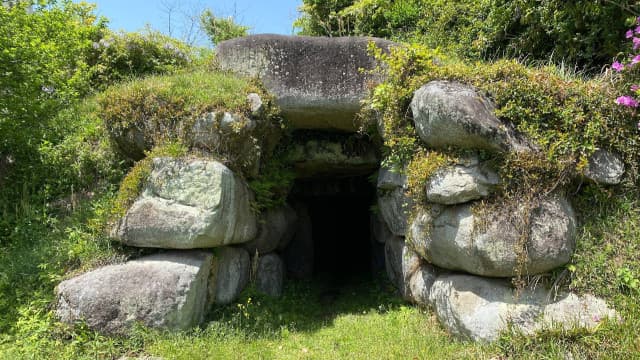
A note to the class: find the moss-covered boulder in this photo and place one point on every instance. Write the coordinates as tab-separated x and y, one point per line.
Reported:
166	290
189	203
449	113
480	309
524	238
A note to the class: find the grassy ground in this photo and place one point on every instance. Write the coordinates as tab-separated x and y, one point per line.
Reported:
366	320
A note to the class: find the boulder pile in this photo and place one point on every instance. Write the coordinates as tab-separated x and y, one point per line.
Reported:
443	251
454	255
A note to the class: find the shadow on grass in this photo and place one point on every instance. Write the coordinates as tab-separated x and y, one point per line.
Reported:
305	306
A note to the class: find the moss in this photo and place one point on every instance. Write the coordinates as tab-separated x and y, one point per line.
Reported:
567	117
134	182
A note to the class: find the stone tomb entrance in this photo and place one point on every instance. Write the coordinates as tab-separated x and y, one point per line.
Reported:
340	245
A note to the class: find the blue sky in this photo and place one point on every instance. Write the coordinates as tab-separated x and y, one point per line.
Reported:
263	16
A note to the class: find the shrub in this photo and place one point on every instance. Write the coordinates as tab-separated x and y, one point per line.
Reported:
44	69
220	29
120	56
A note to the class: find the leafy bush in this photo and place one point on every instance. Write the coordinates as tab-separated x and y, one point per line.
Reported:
44	69
120	56
582	33
220	29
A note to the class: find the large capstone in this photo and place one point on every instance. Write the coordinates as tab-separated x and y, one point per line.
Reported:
453	114
528	239
318	82
480	309
232	268
189	203
161	291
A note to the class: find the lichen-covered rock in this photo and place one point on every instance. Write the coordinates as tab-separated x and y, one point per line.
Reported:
453	114
479	309
166	290
461	183
497	242
604	167
270	275
317	82
276	229
393	203
189	203
231	274
342	156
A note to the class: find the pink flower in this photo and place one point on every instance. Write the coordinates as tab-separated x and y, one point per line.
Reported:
635	59
636	43
635	88
637	30
617	66
629	34
627	101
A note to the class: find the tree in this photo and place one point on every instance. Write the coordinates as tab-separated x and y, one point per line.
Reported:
220	29
584	33
43	69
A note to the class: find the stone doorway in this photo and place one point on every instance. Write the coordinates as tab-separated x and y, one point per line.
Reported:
333	246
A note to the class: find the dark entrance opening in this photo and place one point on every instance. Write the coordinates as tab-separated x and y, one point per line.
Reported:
339	213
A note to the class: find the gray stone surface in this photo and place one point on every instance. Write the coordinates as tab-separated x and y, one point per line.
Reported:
379	229
393	203
299	254
233	266
166	290
189	203
479	309
255	104
461	183
393	250
420	283
604	167
276	229
453	114
342	156
408	272
270	275
489	242
317	81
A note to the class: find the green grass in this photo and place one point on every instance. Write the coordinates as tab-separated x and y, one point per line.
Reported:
366	321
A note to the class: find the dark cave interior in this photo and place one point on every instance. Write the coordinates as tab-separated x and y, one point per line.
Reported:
339	209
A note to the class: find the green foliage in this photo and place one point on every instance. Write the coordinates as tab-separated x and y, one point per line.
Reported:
566	116
586	34
120	56
83	159
273	184
157	102
321	17
44	69
220	29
